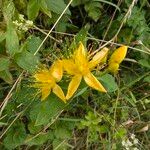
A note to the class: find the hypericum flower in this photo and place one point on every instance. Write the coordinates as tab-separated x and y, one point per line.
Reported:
45	80
80	67
116	58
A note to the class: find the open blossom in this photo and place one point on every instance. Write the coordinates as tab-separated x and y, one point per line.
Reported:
116	58
46	80
79	66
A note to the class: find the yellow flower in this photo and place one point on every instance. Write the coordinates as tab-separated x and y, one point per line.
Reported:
45	80
80	67
116	58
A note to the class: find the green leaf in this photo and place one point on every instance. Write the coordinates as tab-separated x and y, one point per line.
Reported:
39	140
27	61
4	63
48	109
34	129
33	9
78	2
59	144
145	63
62	130
15	136
6	76
109	82
125	35
25	95
44	8
8	10
137	18
12	41
93	9
147	79
33	43
103	129
57	6
80	37
121	133
81	92
61	26
2	36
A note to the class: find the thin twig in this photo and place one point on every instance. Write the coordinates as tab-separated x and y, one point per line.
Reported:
109	25
100	40
4	103
53	27
118	31
37	28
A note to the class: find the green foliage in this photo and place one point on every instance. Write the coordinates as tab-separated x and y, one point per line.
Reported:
4	63
4	70
57	6
145	63
80	37
33	9
33	43
15	137
27	61
109	82
91	119
12	42
47	110
6	76
2	36
46	6
8	10
38	140
95	126
93	9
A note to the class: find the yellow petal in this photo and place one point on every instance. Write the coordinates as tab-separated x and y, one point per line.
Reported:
113	67
58	91
44	81
80	56
81	60
93	82
118	55
57	70
69	66
99	57
80	51
43	75
73	85
45	91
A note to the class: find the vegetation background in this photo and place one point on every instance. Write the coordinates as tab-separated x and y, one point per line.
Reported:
39	31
